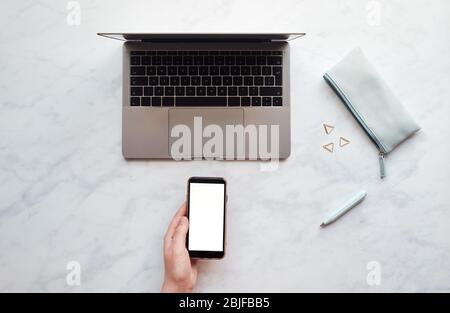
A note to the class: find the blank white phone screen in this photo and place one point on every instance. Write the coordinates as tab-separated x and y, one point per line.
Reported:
206	213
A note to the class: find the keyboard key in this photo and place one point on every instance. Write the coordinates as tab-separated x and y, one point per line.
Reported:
151	70
256	101
217	80
172	70
167	60
201	91
277	52
277	101
137	70
168	101
278	73
161	70
156	60
261	60
148	91
219	60
250	60
146	101
277	70
182	70
164	80
159	91
169	91
272	60
135	60
198	60
270	91
193	70
188	60
222	91
206	80
240	60
245	101
232	91
269	81
139	80
248	80
174	80
266	70
153	80
234	101
208	60
213	70
253	91
203	70
137	52
147	60
258	80
195	80
136	91
135	101
156	101
230	60
190	91
235	70
227	80
256	70
245	70
266	101
243	91
179	91
211	91
237	80
224	70
200	101
185	80
177	60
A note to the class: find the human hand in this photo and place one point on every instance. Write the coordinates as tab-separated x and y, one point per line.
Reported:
180	272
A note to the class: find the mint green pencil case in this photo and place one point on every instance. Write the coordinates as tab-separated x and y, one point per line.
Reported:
371	102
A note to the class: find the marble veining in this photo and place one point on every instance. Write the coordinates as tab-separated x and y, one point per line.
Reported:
67	193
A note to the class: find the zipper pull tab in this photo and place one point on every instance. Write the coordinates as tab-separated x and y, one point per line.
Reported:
381	161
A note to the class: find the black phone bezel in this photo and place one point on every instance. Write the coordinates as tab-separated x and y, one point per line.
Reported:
207	180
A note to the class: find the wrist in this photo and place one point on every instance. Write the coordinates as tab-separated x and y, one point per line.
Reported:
170	286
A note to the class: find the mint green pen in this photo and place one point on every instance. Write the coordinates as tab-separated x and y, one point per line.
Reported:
357	199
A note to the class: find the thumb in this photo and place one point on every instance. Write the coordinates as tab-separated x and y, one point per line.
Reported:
179	237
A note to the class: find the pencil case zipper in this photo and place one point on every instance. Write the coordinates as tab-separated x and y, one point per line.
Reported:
382	150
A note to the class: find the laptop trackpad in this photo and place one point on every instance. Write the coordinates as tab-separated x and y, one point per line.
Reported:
201	127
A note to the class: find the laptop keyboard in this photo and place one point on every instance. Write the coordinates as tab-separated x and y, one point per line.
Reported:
206	78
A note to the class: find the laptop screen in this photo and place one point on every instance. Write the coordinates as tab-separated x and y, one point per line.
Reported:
195	37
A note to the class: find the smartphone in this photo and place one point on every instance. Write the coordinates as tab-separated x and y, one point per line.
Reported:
206	206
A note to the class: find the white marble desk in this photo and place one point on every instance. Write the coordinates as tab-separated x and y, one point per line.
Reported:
68	194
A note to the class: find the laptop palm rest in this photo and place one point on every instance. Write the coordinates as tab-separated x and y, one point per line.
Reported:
203	128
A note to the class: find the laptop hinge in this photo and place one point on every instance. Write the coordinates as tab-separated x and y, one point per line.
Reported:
205	40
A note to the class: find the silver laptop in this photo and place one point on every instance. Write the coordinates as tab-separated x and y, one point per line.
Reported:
186	82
